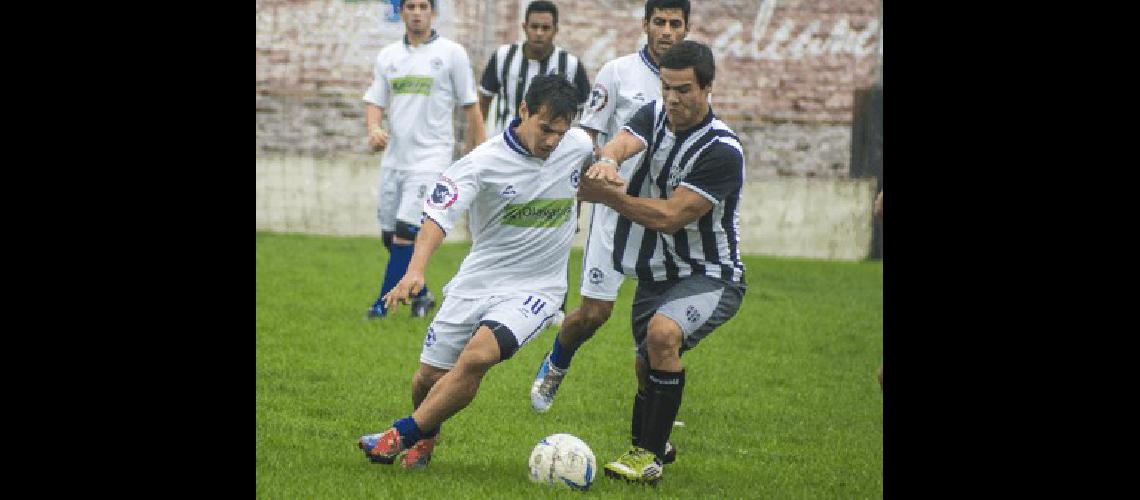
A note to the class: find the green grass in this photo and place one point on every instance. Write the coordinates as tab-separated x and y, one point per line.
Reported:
780	402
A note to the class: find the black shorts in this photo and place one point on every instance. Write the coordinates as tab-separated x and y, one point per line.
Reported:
698	304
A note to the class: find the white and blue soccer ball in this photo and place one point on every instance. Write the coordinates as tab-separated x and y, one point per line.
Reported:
563	460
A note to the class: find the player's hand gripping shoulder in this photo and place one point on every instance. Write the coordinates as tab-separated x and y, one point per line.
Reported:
408	287
378	138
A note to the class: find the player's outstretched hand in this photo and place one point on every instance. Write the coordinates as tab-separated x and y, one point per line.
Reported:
408	287
378	139
606	172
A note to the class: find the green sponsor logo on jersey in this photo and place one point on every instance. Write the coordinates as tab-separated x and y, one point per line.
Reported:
412	85
538	213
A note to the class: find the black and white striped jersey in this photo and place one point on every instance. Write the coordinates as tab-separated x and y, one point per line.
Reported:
509	72
706	159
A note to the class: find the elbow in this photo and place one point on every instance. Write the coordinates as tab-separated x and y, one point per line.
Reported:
671	228
667	223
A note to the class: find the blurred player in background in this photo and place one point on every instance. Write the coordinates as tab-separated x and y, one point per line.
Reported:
418	82
519	190
624	85
512	66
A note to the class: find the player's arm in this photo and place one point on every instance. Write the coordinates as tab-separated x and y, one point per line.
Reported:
373	117
612	155
475	132
489	84
427	242
716	175
667	216
375	99
630	140
484	104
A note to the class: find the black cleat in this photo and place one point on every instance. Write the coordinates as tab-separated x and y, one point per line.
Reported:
423	305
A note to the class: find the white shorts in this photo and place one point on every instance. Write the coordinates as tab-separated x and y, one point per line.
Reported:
599	279
458	318
402	195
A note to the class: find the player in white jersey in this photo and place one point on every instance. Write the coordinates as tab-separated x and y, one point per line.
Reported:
519	190
512	66
624	85
417	83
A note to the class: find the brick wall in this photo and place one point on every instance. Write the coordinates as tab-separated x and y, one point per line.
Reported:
786	69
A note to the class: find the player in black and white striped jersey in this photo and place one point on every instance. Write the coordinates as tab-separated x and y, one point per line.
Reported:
512	66
678	234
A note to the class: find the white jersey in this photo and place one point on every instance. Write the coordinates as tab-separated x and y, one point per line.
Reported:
419	87
522	214
624	85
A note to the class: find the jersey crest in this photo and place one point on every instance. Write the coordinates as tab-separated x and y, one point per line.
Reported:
444	194
599	97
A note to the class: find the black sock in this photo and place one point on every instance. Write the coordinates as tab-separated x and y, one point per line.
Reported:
637	422
664	401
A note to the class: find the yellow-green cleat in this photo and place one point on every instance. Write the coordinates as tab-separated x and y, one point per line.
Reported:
638	465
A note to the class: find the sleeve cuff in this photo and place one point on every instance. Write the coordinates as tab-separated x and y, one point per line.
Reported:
485	92
436	221
701	192
635	134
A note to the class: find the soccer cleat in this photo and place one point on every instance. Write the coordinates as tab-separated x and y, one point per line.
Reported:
638	465
546	383
670	454
418	456
422	305
375	312
382	448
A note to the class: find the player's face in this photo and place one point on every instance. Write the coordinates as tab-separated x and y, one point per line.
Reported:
417	16
539	132
540	30
664	28
685	101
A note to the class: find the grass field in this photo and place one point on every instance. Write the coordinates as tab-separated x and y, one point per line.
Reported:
781	402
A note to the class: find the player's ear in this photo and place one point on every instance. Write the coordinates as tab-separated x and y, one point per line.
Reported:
523	111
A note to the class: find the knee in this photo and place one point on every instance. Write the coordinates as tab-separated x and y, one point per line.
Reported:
663	335
483	352
595	313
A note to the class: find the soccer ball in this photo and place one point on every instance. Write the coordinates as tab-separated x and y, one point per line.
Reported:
562	459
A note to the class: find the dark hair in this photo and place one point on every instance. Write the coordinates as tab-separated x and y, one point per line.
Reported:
667	4
432	2
553	92
690	54
541	6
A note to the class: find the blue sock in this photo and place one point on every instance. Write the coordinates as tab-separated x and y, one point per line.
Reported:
560	356
423	291
398	260
409	431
